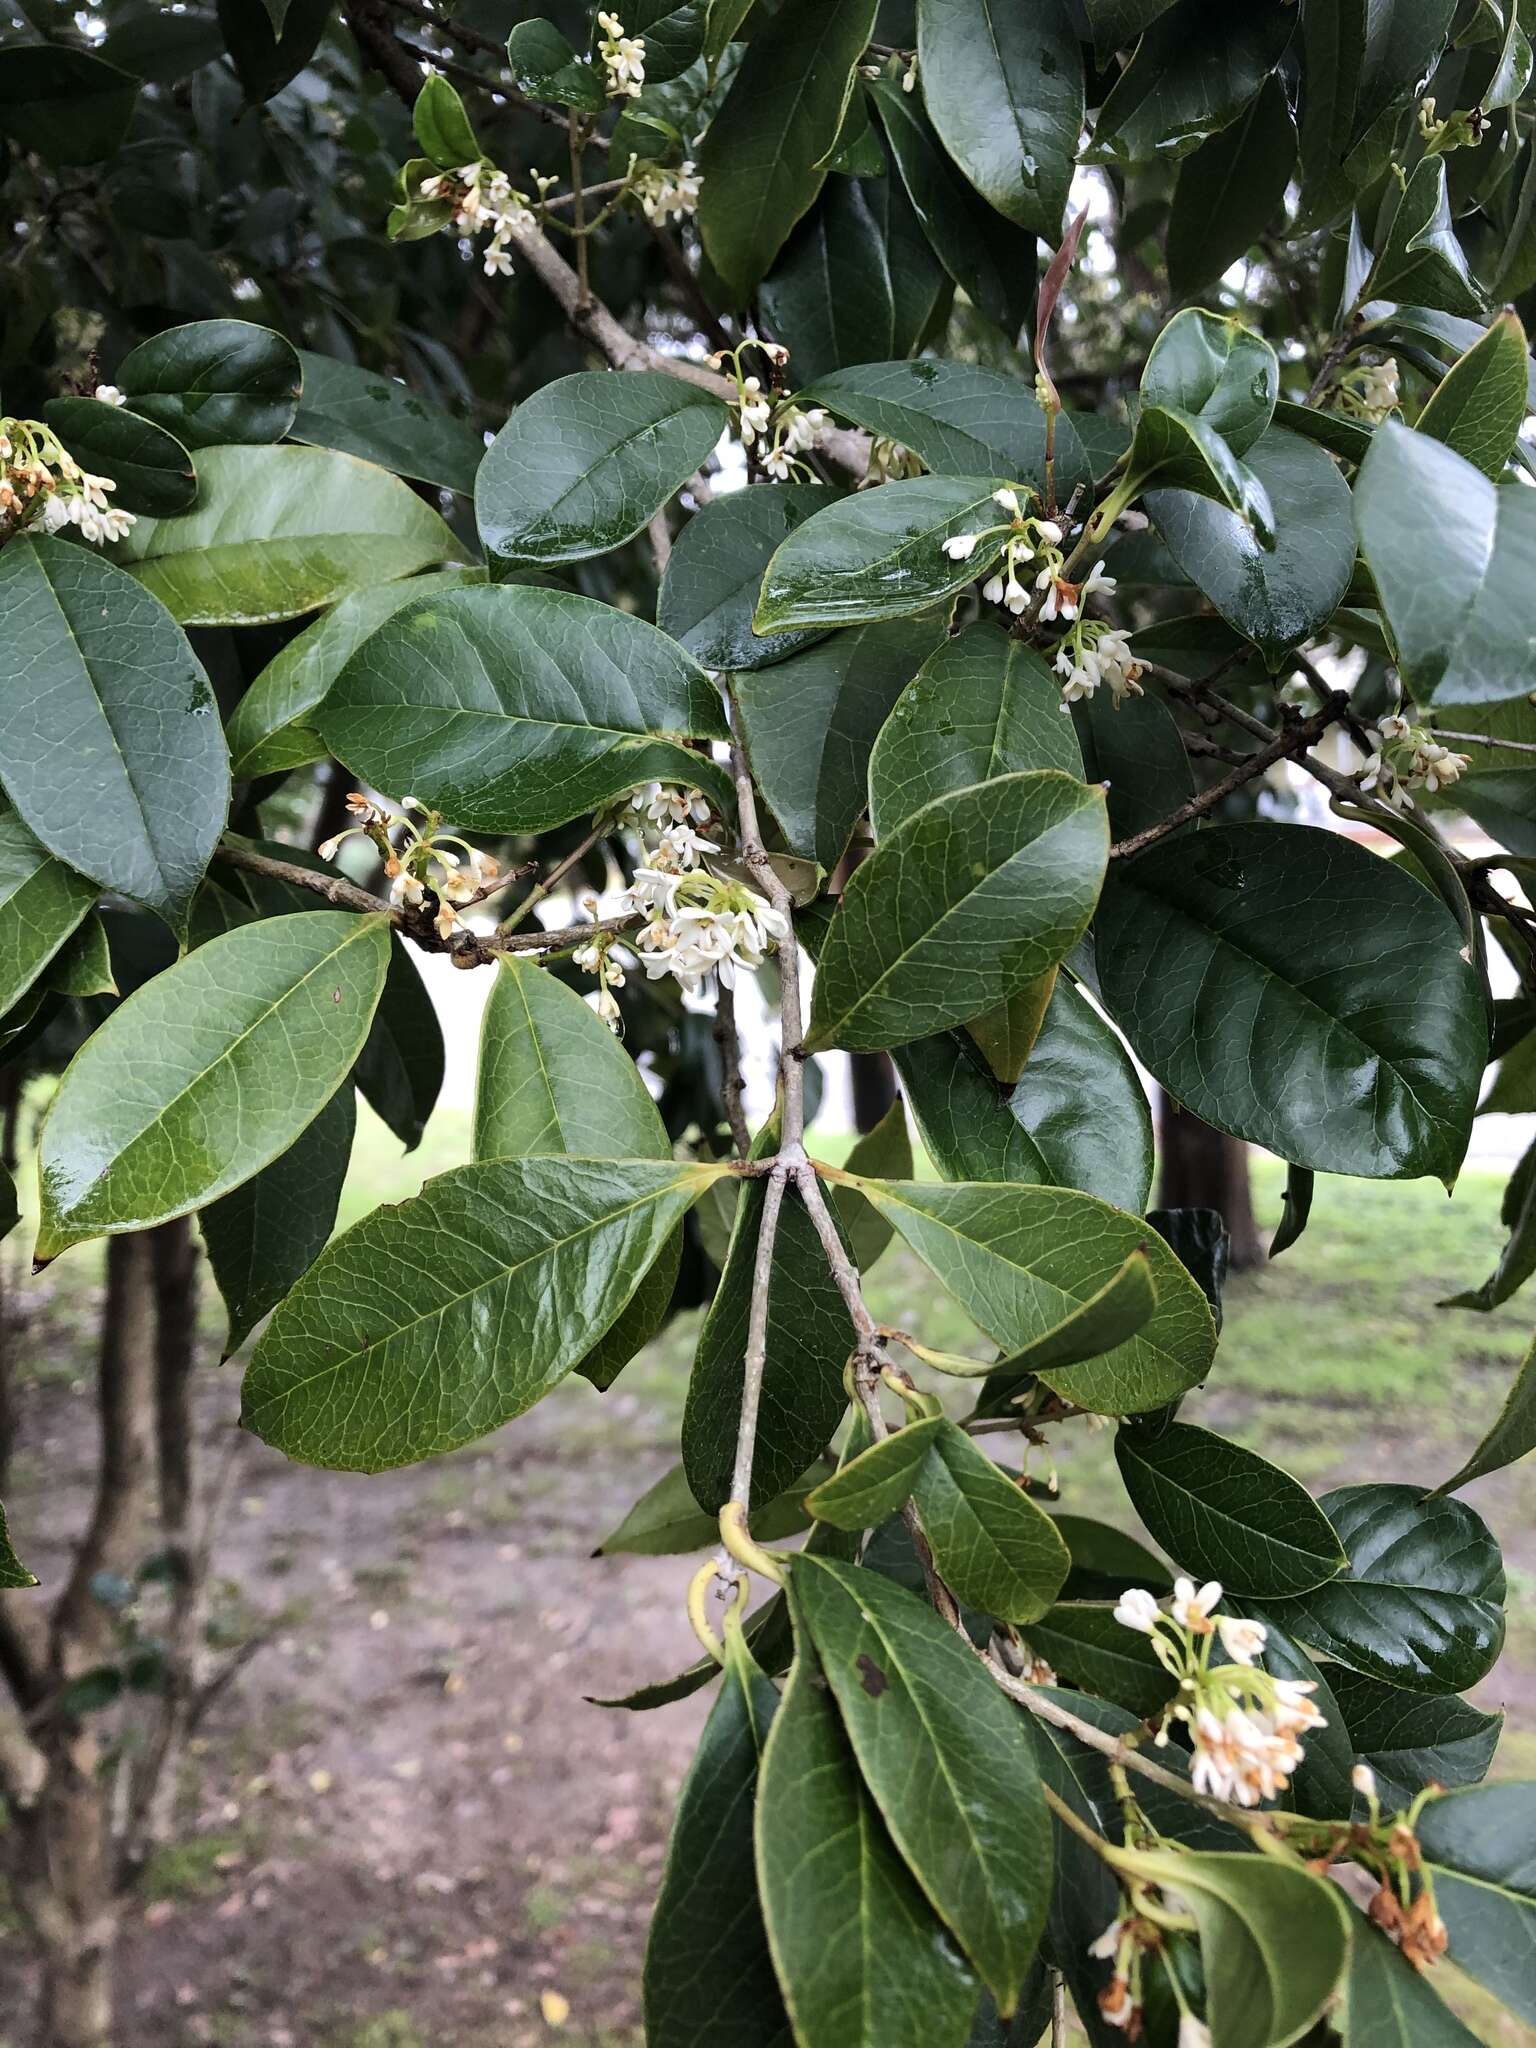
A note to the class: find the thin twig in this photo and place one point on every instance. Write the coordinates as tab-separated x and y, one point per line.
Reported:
1486	739
554	878
1058	2010
756	1360
728	1046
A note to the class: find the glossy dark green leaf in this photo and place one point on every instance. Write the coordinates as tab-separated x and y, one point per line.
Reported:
1137	748
942	1753
516	709
959	908
214	381
546	68
809	724
1082	1640
995	1548
982	705
961	419
1005	1037
207	1073
1275	596
764	152
856	282
1517	1260
42	904
1194	71
1220	1510
1005	92
1422	1603
708	1973
809	1341
436	1320
1020	1260
277	532
1106	1320
263	1235
581	465
442	127
860	1957
271	729
1215	370
1449	553
880	554
1477	1843
1401	42
1411	1740
1334	430
13	1573
1231	190
150	469
1420	260
885	1152
1512	1435
1389	2004
1105	1561
138	795
1043	1130
266	60
1480	405
69	106
1296	1206
400	1068
878	1483
710	585
345	406
84	966
1333	1059
1117	23
666	1521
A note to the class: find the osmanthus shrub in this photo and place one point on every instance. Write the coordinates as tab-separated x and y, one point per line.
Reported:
964	698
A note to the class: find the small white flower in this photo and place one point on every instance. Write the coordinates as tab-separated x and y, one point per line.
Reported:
1050	532
1008	499
1104	1949
961	546
623	58
1138	1609
1193	2033
1096	584
498	259
1243	1641
992	589
1363	1778
55	513
1193	1610
109	395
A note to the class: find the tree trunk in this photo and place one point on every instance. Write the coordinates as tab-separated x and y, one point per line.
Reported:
69	1893
1202	1168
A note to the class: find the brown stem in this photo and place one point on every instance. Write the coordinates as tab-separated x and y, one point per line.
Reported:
728	1046
553	879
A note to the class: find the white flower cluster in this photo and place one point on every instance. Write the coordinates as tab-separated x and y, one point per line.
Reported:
623	58
424	861
483	197
1095	653
666	194
40	480
1370	391
1406	757
1125	1942
1029	541
696	923
1245	1725
780	430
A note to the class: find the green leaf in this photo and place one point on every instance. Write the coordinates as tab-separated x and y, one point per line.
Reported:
1332	430
878	1483
84	967
1295	1208
880	554
1005	93
1388	2004
858	1951
857	281
944	1758
1422	1603
1479	406
982	706
277	532
435	1320
1105	1561
266	62
1421	261
400	1069
1082	1640
583	464
1321	1786
1214	370
995	1548
214	381
1231	190
1020	1260
667	1521
1275	596
71	107
707	1965
959	908
514	709
1477	1844
545	67
1517	1260
207	1074
885	1152
151	471
1411	1740
138	796
1449	553
1274	1939
1220	1510
13	1573
763	154
270	730
442	127
1044	1131
809	724
1512	1435
554	1079
710	584
1193	72
963	420
345	406
264	1235
1232	962
809	1340
1116	24
42	904
1126	1301
1138	749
